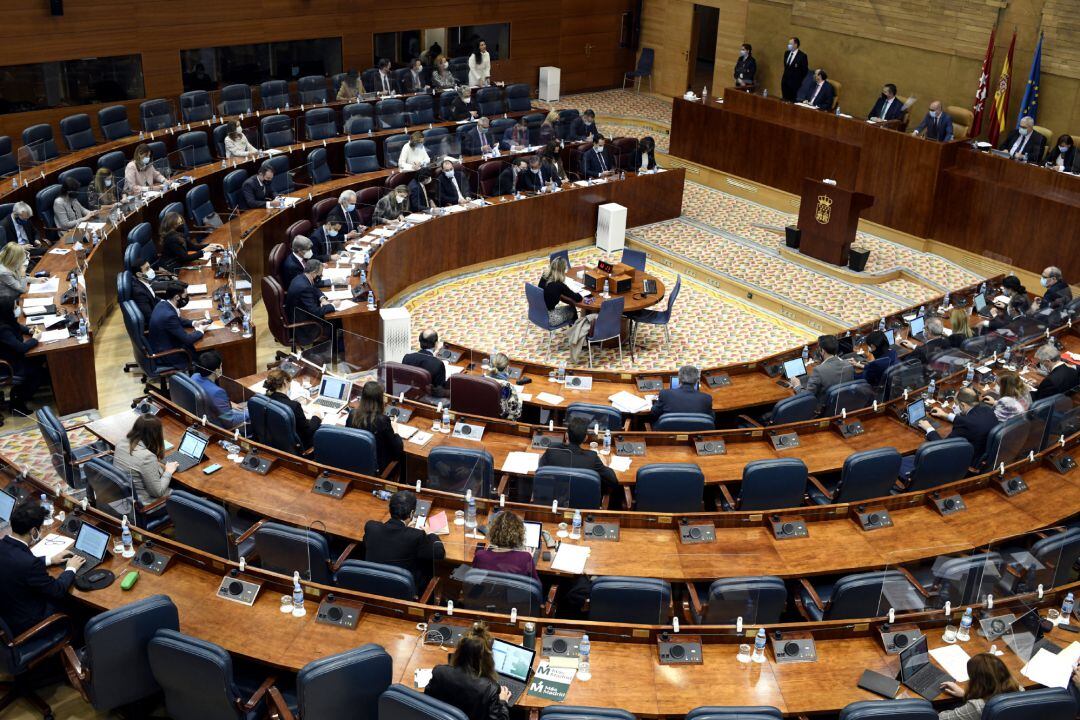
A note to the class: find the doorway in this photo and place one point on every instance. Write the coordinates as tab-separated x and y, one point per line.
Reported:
702	56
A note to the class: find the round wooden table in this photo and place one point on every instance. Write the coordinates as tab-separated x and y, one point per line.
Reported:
633	299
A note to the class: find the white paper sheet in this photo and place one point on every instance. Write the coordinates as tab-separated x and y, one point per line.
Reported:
1052	670
37	302
197	289
629	402
53	336
405	431
50	286
200	305
420	438
953	659
337	274
42	319
51	545
571	558
332	295
345	305
417	218
521	463
548	398
620	463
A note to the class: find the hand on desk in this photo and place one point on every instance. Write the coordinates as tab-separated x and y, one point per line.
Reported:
939	413
170	467
504	693
74	562
925	425
951	688
796	383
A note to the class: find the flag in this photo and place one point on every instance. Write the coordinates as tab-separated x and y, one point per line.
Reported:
984	86
1030	105
1000	108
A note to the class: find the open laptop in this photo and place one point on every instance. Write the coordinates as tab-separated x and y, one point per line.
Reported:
91	544
890	337
915	329
514	664
918	674
916	411
333	392
1025	636
190	452
981	306
7	504
793	369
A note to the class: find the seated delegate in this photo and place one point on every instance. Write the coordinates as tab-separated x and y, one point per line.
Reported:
276	386
1059	376
140	174
168	330
934	341
509	400
369	414
19	229
873	371
937	125
1057	293
305	302
598	162
510	178
971	419
558	297
469	682
419	197
831	370
453	187
207	374
326	241
573	455
988	677
413	154
67	210
29	373
257	189
584	127
237	144
425	358
506	547
139	453
645	155
14	262
176	249
1063	155
686	398
1023	143
816	91
392	206
293	264
396	542
888	106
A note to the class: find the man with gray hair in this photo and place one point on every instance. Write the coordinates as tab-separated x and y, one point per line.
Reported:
305	302
1023	143
683	396
934	341
1058	293
350	216
1060	376
17	228
293	264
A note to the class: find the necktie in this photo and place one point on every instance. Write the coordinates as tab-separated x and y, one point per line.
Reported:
885	110
791	58
600	155
812	99
385	83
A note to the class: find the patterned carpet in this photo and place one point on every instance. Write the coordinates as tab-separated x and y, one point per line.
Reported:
26	448
621	104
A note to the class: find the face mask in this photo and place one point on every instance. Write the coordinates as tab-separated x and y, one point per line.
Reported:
790	47
742	53
331	233
18	312
145	161
443	66
307	255
401	198
1024	131
935	114
1045	282
150	274
1063	149
448	173
956	409
350	208
415	143
182	301
23	221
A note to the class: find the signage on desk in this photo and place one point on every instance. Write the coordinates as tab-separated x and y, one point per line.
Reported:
468	431
578	382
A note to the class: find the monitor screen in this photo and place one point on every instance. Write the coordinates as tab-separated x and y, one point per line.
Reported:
890	336
92	541
794	368
7	504
193	444
674	382
917	326
980	302
916	411
914	658
334	388
532	534
512	660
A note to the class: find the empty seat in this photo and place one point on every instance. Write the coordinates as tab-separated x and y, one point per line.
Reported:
156	114
77	132
906	709
286	550
1041	703
669	488
114	124
274	95
345	448
684	422
312	89
390	114
862	595
194	149
517	97
404	703
206	525
757	600
473	395
318	167
277	131
360	157
641	601
603	416
800	407
344	686
770	484
499	592
964	580
939	462
578	488
38	143
357	118
420	109
376	579
234	100
753	712
489	101
577	712
195	106
867	474
8	163
200	211
850	396
320	124
454	469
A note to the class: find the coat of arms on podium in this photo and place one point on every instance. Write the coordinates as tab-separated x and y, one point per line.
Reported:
823	212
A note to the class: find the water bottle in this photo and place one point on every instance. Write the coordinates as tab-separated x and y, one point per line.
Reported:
922	310
1008	354
606	287
125	538
446	418
562	371
964	633
247	325
982	288
297	597
805	353
584	648
575	530
945	302
46	503
704	92
470	512
881	325
528	638
82	331
970	377
765	92
371	301
931	388
363	277
1066	608
759	647
229	447
837	111
383	495
607	443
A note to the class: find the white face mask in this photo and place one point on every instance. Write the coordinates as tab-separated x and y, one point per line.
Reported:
1045	282
1063	149
956	409
145	161
108	182
307	255
1024	131
448	173
790	47
17	312
150	274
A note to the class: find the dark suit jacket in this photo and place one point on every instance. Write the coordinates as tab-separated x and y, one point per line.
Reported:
419	199
323	247
572	456
305	426
974	426
1051	159
745	70
414	83
896	109
395	543
28	594
290	268
1057	295
9	235
144	299
424	359
391	83
1061	379
477	697
475	140
350	220
388	444
512	134
683	399
580	131
175	253
447	196
14	346
302	305
1033	150
255	194
928	350
825	96
592	164
167	332
507	183
940	129
529	181
637	160
794	74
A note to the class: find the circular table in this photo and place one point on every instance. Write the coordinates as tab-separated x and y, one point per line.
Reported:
633	299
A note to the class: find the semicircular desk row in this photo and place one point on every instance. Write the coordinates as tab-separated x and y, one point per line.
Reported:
626	670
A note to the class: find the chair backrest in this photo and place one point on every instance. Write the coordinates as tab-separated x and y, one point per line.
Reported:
538	312
757	600
609	320
685	422
962	118
218	135
320	123
864	594
141	234
312	89
905	709
360	157
232	185
345	686
38	141
641	601
199	207
52	431
277	131
500	592
83	176
404	703
517	97
967	579
489	101
446	104
43	206
645	62
752	712
633	258
1057	554
533	121
669	487
357	118
366	199
194	149
604	416
580	712
110	490
774	483
499	126
474	395
114	124
390	113
274	94
116	161
124	278
273	424
318	169
346	448
321	208
420	109
195	106
156	114
282	182
200	523
622	155
399	378
235	99
488	176
1041	703
77	132
285	549
8	163
376	579
572	487
392	148
799	407
1005	442
274	300
455	469
186	393
939	462
195	675
565	121
1046	416
868	474
850	395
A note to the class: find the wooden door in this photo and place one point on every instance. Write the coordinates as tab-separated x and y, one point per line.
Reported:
667	28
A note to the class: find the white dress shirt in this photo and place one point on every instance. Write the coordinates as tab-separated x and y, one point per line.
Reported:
413	158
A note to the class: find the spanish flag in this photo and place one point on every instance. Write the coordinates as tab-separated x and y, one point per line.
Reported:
1000	109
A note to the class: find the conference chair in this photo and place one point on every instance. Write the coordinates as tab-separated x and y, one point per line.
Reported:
634	258
633	600
488	177
580	712
195	106
836	86
335	82
218	135
5	210
377	579
343	686
475	395
414	382
272	423
500	592
312	89
564	254
538	314
641	71
605	417
43	208
752	712
207	526
437	142
517	97
420	109
1005	443
358	118
498	129
77	132
392	149
189	395
390	113
962	119
397	178
572	487
622	153
274	94
360	157
233	187
684	422
147	359
769	484
234	100
457	469
608	326
60	451
320	124
669	488
142	236
277	131
194	149
533	121
800	407
116	162
346	448
404	703
905	709
400	76
318	167
198	680
200	211
39	144
8	164
901	376
446	104
489	101
156	114
866	475
459	68
109	489
575	166
274	299
961	580
757	600
286	550
112	669
282	184
939	462
83	176
321	209
366	199
1041	703
565	121
861	595
21	654
851	395
47	417
114	124
1050	561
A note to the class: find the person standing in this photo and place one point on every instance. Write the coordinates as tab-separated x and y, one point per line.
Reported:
796	65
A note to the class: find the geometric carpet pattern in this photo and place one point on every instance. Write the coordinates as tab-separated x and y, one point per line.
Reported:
622	104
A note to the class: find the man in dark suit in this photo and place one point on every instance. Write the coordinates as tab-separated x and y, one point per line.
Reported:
645	155
683	399
971	420
419	200
888	106
532	178
817	91
1023	143
414	80
510	176
18	228
572	455
937	125
349	216
934	342
168	329
396	543
832	370
256	190
293	264
326	239
28	594
142	292
479	139
597	162
453	187
305	302
1058	293
384	80
796	65
516	136
425	359
584	127
1060	377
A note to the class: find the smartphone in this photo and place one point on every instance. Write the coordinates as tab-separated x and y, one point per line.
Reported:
211	469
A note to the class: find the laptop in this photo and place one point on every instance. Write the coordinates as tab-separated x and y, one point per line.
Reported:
981	306
91	544
918	674
890	337
190	452
915	329
916	411
333	392
7	504
514	664
793	369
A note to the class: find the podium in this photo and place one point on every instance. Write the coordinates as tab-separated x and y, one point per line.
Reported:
828	219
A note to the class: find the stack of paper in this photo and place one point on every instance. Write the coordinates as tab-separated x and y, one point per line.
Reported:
337	274
200	305
619	463
405	431
37	302
53	336
197	289
50	286
1052	670
548	398
521	463
417	218
332	295
953	659
382	232
420	438
571	558
629	402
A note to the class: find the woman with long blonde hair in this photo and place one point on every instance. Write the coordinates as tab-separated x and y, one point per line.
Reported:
557	296
13	263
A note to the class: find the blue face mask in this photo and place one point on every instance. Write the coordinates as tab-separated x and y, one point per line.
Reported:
350	207
331	233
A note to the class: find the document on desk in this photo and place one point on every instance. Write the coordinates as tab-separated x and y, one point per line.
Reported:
1052	670
50	336
549	398
197	289
620	463
51	545
521	463
953	659
452	369
332	295
37	302
629	402
50	286
571	558
344	305
403	430
382	232
45	320
200	305
417	218
420	438
339	274
59	251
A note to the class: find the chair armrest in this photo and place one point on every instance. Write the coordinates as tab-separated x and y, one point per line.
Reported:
695	601
174	351
821	488
648	427
549	603
257	696
293	326
76	673
249	532
349	549
911	579
88	458
279	709
504	481
752	421
27	634
812	593
389	470
605	501
429	591
727	500
156	504
628	496
626	425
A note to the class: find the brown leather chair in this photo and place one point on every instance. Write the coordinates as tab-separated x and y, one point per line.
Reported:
474	395
962	118
321	209
622	152
398	178
278	253
365	202
300	227
576	165
488	177
399	378
274	300
836	89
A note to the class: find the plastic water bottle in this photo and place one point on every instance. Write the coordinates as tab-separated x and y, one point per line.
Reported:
606	287
371	301
607	442
583	668
363	276
922	310
931	388
1066	608
229	447
470	512
945	302
446	418
298	609
982	288
562	371
837	111
83	330
765	92
46	503
383	495
964	633
247	325
970	377
805	353
575	530
1008	354
125	538
759	646
881	325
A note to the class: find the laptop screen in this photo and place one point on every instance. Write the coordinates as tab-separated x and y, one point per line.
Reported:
511	660
916	411
914	658
980	302
890	336
917	325
334	388
193	444
91	541
532	534
794	368
7	504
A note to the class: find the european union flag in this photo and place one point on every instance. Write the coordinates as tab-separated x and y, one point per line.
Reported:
1030	105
